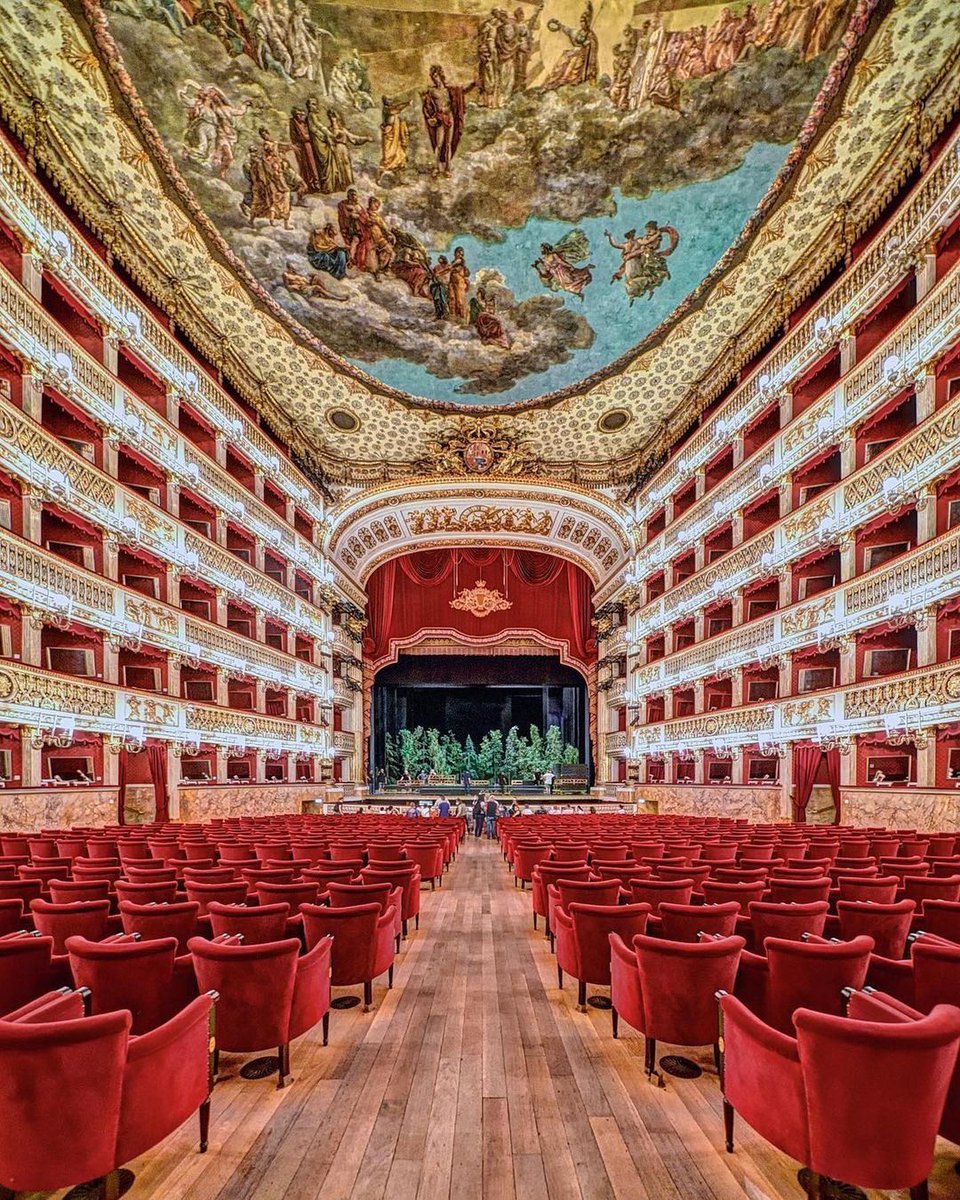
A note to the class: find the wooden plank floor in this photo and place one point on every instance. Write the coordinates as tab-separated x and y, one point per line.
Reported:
474	1077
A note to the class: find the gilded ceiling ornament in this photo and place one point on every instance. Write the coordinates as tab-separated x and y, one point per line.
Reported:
479	448
481	601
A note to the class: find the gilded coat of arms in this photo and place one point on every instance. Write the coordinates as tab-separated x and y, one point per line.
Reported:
481	601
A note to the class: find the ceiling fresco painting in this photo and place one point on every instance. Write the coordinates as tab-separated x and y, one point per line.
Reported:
474	204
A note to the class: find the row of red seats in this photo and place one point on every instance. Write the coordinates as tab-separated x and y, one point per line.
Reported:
144	994
666	986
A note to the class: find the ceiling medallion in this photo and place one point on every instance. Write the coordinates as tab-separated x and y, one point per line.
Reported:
613	420
343	420
481	601
472	447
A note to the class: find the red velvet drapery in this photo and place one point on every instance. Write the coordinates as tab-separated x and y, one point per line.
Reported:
546	594
807	761
806	764
157	760
832	759
121	787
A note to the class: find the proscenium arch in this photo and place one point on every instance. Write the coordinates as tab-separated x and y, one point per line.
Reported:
371	527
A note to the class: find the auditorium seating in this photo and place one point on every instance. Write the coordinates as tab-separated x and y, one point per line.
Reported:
678	983
87	918
268	994
834	1082
79	1094
582	934
144	977
363	943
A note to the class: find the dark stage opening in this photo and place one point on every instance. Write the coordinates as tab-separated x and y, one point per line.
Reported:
469	696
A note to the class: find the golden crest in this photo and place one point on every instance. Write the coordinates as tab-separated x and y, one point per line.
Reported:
481	601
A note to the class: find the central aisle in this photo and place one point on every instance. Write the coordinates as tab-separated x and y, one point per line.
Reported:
475	1077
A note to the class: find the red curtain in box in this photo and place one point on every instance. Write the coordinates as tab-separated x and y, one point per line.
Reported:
546	594
157	758
807	761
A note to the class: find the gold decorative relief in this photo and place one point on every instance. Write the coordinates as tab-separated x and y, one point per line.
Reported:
480	518
24	688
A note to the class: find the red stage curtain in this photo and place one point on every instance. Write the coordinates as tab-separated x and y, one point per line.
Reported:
545	593
276	708
580	591
157	760
806	764
832	758
121	787
381	590
533	568
479	556
427	567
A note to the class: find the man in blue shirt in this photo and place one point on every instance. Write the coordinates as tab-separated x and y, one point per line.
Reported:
443	808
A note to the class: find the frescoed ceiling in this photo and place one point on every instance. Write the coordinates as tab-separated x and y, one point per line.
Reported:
485	274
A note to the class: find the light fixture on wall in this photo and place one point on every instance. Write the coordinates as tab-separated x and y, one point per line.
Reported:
827	737
58	732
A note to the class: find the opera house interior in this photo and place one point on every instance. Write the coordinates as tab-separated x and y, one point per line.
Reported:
480	599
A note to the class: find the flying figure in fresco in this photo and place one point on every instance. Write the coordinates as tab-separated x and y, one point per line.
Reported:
556	268
643	266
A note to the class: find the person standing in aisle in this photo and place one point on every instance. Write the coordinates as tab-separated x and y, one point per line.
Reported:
478	807
443	807
493	811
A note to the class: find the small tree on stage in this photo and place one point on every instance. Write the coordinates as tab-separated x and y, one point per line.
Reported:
393	756
553	748
434	752
513	754
470	757
490	757
453	755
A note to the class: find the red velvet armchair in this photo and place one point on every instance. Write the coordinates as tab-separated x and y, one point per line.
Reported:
152	921
888	924
788	921
28	968
268	994
657	891
720	892
678	986
582	891
102	1084
145	978
526	856
257	925
72	891
856	1099
583	940
163	891
86	918
545	873
801	975
429	858
363	943
347	895
223	893
685	922
402	875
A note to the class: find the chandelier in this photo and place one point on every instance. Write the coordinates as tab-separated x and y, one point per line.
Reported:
481	601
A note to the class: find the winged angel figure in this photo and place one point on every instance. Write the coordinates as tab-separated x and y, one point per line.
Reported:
556	264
